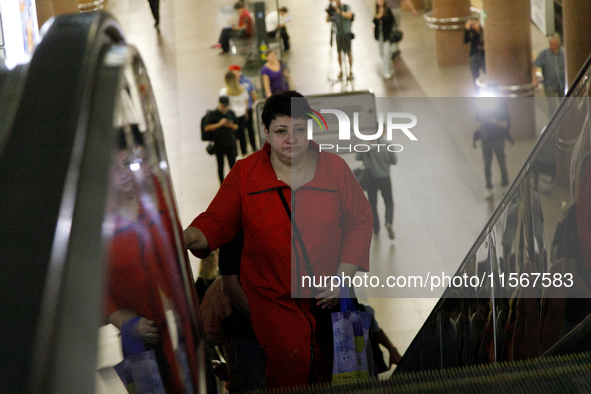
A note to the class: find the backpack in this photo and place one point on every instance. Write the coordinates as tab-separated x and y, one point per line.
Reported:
206	135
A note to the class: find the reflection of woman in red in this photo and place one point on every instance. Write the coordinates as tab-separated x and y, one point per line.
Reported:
137	283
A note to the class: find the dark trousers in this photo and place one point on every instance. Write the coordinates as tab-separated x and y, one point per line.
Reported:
227	33
284	37
384	185
250	360
155	7
250	128
230	152
240	133
477	63
487	152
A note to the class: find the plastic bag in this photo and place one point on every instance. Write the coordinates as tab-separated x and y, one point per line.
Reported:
351	333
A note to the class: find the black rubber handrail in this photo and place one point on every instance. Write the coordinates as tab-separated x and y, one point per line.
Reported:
39	167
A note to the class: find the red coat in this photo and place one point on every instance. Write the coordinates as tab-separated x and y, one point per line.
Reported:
335	220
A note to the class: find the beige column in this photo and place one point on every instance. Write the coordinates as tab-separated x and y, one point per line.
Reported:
418	4
451	50
48	8
507	43
576	19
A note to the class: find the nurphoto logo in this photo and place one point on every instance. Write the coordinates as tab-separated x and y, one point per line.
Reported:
345	129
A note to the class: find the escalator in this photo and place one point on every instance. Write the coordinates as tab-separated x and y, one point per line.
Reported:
528	328
536	248
90	230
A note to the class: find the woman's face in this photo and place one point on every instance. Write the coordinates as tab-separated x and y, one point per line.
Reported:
271	56
287	137
122	175
380	2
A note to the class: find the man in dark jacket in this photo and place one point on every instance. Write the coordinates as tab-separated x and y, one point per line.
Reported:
222	122
474	36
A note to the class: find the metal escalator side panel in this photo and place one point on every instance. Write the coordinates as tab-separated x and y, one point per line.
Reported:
70	363
11	88
39	173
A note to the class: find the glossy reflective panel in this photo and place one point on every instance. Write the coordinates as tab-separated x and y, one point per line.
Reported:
147	297
539	252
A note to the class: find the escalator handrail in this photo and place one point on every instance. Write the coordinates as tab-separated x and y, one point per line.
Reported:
39	172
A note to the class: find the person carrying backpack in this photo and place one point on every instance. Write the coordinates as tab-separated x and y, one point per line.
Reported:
222	123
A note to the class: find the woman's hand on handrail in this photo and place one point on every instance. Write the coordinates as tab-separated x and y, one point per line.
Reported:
195	241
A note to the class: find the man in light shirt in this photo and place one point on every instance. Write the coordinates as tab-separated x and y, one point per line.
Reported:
276	21
551	63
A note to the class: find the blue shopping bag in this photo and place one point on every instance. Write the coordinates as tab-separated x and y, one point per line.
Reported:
350	329
139	370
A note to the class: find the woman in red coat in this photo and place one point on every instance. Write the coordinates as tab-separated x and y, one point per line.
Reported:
334	219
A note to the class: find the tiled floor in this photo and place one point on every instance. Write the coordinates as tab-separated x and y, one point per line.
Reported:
438	183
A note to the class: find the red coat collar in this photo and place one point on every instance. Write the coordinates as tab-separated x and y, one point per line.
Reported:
262	177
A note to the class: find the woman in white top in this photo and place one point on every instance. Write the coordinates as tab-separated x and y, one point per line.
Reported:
238	104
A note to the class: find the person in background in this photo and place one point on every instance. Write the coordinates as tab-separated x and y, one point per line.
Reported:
276	21
377	163
396	7
155	8
242	30
216	314
474	36
551	62
275	76
252	97
342	16
494	119
222	122
238	96
208	273
378	337
250	357
384	22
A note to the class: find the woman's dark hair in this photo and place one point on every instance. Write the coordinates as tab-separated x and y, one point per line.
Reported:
281	104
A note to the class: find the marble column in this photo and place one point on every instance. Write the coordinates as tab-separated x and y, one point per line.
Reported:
507	44
451	50
576	22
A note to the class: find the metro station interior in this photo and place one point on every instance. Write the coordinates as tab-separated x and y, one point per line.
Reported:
93	92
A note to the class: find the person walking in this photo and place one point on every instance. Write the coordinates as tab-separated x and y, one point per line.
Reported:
238	97
396	7
377	163
383	24
222	122
252	97
342	16
551	62
274	75
494	129
474	36
155	8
